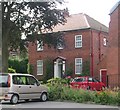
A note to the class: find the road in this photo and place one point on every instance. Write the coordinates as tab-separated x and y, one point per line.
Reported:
52	104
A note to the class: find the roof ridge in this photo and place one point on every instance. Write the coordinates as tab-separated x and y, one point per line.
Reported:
86	20
81	21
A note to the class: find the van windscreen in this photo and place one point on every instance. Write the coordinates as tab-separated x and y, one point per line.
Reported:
4	80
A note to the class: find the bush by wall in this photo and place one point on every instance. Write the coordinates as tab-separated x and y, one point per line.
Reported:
60	91
11	70
49	69
19	65
29	68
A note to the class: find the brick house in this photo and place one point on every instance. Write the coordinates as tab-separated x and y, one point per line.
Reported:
85	48
113	56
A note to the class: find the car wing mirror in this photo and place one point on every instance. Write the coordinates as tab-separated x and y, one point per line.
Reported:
38	83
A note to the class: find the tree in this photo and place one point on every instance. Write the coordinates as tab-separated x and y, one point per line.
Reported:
30	19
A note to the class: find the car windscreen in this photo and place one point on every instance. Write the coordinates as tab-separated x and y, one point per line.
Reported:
4	80
79	79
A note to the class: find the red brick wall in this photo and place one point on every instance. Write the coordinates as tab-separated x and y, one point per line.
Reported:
70	52
114	49
99	52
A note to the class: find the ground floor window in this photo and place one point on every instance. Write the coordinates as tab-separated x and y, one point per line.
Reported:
40	67
78	65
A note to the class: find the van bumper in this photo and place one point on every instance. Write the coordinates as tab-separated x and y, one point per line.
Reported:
6	97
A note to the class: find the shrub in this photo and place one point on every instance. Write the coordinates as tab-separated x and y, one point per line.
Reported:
118	98
11	70
69	70
29	68
19	65
49	69
58	90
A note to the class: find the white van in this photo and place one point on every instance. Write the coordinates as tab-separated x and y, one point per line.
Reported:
15	87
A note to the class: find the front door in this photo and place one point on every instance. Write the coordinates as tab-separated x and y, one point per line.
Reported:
59	68
103	76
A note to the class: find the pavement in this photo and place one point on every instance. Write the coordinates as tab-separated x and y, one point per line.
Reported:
53	104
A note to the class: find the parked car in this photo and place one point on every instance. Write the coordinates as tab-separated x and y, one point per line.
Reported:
15	87
87	82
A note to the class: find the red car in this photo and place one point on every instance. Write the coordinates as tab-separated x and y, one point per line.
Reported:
87	82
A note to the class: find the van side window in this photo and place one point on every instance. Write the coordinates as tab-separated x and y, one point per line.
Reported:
19	80
31	81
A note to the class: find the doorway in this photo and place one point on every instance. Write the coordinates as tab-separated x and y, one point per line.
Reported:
103	76
59	67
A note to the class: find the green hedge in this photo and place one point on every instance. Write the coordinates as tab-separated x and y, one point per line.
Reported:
19	65
61	91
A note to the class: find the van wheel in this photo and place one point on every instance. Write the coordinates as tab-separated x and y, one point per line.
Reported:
14	99
43	97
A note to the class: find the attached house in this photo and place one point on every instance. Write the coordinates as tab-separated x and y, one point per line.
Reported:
113	56
84	51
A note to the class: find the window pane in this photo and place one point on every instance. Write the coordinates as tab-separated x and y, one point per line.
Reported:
40	67
78	65
3	80
19	80
39	45
31	81
80	79
78	38
105	42
78	41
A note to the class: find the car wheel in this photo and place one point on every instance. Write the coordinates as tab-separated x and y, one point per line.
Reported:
43	97
88	88
103	88
14	99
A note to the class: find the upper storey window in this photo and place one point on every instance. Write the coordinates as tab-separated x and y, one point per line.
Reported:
78	41
39	45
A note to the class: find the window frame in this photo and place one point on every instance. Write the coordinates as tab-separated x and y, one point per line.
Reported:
60	47
79	64
105	41
39	48
40	66
78	41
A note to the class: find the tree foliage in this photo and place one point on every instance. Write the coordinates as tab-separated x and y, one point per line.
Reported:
30	19
20	66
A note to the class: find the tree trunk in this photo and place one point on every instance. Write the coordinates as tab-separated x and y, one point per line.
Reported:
5	33
0	38
4	54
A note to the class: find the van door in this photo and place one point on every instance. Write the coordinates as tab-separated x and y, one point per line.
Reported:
34	88
20	86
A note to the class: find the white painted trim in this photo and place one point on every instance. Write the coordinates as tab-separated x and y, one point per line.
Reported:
100	74
56	68
86	21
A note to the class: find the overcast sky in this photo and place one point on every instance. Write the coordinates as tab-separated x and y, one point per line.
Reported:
97	9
